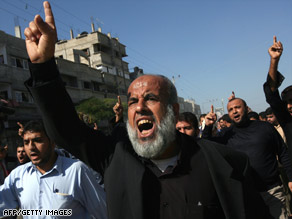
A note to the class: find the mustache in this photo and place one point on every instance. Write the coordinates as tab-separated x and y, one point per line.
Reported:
33	152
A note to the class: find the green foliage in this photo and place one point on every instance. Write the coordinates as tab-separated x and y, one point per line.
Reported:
98	109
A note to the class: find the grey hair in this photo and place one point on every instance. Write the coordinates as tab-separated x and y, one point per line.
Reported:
171	90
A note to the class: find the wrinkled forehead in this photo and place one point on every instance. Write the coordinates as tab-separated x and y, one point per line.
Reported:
148	83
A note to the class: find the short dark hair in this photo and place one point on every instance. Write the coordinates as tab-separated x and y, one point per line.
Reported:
253	114
34	126
189	118
263	114
285	91
203	115
19	141
269	111
226	118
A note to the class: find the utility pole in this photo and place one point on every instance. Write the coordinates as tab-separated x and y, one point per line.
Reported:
222	101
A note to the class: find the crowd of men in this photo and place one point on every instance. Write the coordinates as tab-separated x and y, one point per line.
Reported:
159	163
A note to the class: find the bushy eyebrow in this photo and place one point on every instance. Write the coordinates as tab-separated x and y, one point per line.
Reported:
33	139
149	95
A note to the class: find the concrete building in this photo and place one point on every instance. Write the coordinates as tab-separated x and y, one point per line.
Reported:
13	72
189	106
91	65
99	51
136	73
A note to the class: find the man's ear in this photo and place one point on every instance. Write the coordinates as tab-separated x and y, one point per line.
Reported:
175	107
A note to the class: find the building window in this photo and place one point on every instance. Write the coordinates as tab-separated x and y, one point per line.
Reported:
86	85
1	59
25	64
95	86
19	63
22	97
4	94
110	70
70	81
86	51
13	61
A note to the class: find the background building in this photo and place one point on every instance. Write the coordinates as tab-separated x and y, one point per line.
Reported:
102	52
91	65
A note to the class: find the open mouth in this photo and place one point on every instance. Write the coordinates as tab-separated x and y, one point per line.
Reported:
236	118
145	127
33	156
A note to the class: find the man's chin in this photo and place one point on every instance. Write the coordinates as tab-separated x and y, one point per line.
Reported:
148	139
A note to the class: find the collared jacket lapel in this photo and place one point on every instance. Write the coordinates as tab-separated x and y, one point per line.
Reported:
226	181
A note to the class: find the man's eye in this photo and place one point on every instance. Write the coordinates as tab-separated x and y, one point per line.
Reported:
132	101
152	99
38	140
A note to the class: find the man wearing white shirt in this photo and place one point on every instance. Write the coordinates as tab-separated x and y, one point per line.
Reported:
50	183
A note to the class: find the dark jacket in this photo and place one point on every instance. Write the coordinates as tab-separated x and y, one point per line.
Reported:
279	108
124	172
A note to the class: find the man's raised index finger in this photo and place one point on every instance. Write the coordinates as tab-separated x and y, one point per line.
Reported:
49	17
212	109
20	125
275	39
119	100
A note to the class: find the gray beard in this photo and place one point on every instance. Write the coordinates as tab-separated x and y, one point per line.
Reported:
165	134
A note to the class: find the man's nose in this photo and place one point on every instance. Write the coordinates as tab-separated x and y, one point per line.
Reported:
140	106
182	130
31	145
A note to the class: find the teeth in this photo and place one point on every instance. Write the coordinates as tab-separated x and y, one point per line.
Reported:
144	121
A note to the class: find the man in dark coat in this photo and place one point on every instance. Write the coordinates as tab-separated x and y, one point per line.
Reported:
157	172
282	108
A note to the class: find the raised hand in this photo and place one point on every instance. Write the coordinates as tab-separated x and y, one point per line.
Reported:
41	36
232	96
20	130
276	49
275	52
95	126
210	118
118	109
